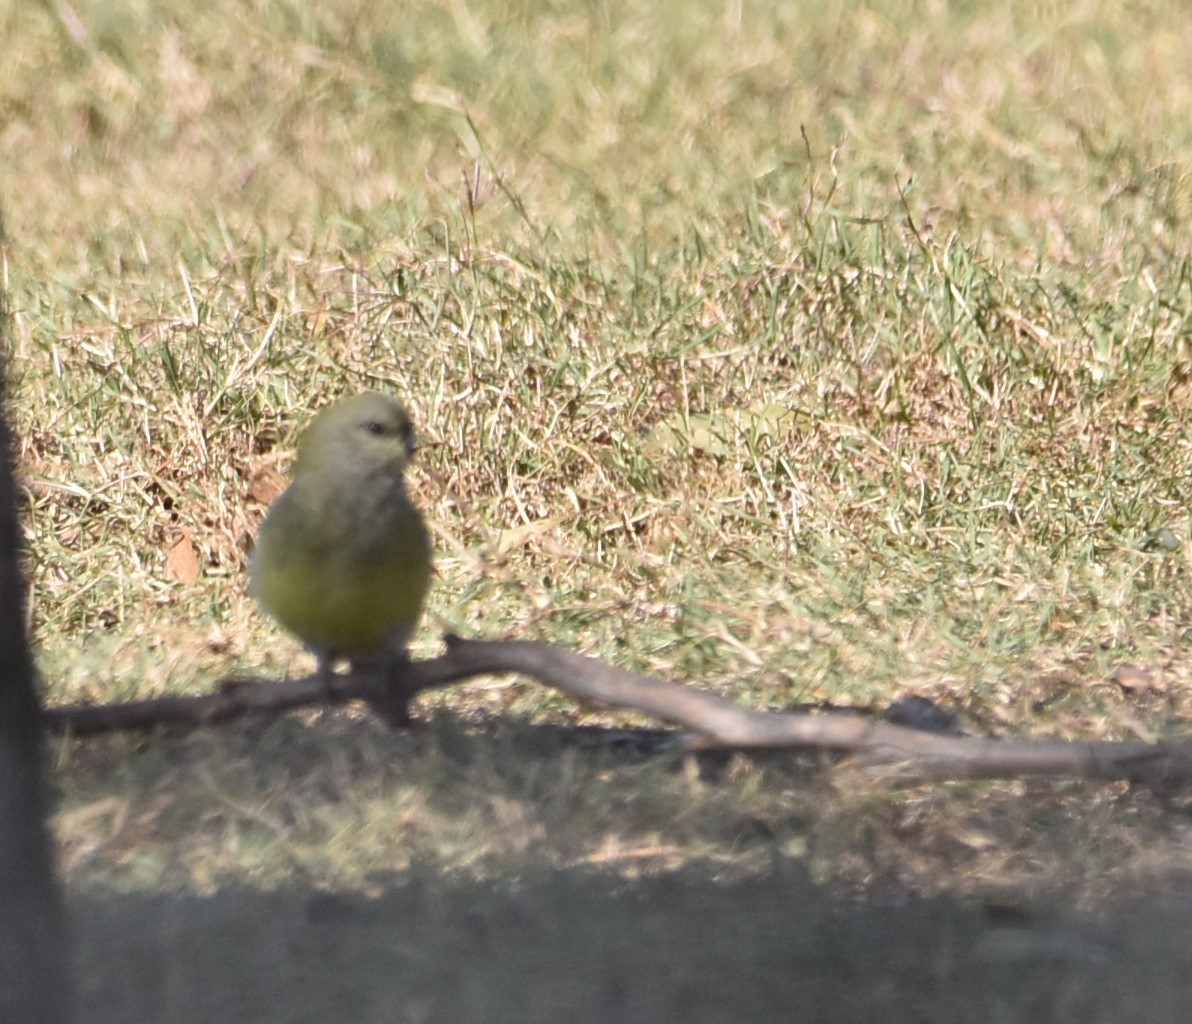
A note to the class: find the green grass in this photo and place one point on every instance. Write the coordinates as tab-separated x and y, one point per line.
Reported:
804	352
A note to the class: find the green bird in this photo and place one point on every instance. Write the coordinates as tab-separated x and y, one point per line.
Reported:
343	559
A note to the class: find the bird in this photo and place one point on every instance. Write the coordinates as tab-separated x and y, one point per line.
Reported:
343	558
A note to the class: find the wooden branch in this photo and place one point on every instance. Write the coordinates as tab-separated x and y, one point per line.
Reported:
709	721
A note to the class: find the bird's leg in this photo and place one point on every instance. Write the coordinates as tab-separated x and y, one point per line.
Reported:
390	696
326	677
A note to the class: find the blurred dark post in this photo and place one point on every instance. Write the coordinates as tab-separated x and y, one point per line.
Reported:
33	955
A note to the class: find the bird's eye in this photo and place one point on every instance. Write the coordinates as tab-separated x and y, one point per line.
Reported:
375	427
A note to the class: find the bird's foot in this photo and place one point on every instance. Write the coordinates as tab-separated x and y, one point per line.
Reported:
389	696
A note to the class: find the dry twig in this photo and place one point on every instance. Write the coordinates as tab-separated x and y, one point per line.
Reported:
709	721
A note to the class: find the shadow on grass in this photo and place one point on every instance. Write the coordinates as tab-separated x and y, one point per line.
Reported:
419	877
579	946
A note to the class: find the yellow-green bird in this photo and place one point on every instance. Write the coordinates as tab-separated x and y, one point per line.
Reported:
343	558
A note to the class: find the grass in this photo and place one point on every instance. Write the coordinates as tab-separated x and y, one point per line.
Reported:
804	352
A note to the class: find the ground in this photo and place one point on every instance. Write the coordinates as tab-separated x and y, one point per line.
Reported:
813	354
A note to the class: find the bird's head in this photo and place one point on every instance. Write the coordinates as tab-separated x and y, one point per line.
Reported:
366	433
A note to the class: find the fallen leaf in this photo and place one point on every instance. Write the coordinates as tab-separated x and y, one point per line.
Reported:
182	561
1133	679
265	485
